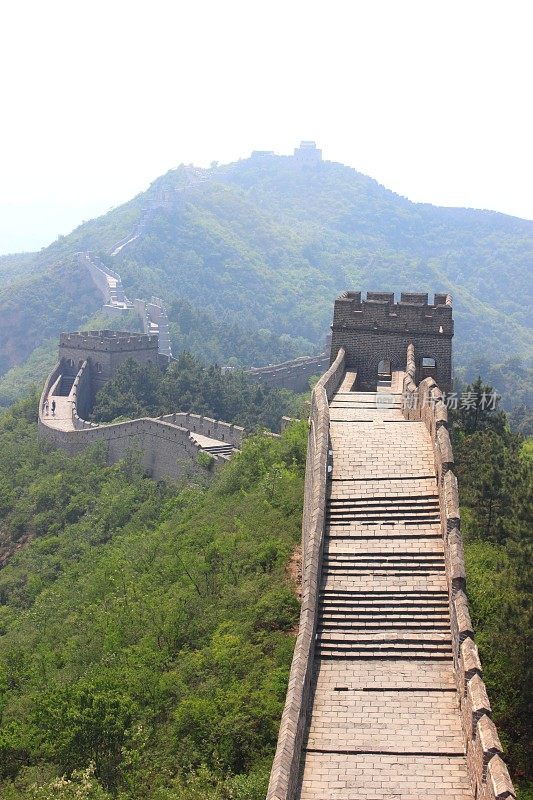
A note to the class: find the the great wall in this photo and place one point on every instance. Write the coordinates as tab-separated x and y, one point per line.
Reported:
168	446
294	374
386	697
152	313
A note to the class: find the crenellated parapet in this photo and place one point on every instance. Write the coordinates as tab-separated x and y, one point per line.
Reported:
377	329
487	771
107	340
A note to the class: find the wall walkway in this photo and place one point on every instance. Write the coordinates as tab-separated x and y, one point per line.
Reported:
385	697
152	313
168	446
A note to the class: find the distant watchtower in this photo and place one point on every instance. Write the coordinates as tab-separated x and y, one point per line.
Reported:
105	351
308	153
375	333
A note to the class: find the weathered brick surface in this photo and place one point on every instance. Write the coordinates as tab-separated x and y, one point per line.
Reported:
384	691
486	769
397	706
369	776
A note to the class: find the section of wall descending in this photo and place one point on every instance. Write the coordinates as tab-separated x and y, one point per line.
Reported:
487	771
155	320
293	374
285	770
107	281
152	313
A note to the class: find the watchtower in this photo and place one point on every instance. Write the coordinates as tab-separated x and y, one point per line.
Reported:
375	333
308	153
105	351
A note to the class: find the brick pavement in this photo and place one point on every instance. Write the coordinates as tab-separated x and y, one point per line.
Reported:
384	721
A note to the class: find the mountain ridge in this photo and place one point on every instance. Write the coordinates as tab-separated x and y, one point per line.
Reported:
265	244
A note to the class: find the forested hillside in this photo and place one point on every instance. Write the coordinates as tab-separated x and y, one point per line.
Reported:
145	630
249	257
139	390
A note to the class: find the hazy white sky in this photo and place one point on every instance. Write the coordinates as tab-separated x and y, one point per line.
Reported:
433	99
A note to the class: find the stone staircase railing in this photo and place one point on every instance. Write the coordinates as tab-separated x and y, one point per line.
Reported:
488	772
284	775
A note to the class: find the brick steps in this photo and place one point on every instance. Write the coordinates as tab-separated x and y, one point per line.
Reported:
383	664
372	510
225	450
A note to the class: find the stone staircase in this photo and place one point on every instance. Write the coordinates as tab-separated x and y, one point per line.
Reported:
220	449
384	720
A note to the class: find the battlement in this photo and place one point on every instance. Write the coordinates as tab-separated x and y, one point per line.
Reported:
379	310
375	330
109	341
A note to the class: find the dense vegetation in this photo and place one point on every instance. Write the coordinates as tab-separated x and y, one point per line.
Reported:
145	629
216	341
495	472
513	381
258	250
187	385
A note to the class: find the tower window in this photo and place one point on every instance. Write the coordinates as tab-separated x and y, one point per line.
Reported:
384	367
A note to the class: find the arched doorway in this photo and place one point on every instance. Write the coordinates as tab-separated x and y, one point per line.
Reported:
384	372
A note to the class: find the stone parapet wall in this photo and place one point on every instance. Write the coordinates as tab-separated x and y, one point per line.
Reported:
165	450
49	383
285	769
108	341
80	396
293	374
212	428
488	772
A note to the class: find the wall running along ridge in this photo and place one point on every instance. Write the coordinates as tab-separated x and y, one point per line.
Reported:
167	448
152	313
488	773
292	375
284	775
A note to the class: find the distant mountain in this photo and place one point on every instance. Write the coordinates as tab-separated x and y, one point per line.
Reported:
249	257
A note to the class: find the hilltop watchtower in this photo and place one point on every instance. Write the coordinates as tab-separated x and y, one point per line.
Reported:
375	333
308	153
105	351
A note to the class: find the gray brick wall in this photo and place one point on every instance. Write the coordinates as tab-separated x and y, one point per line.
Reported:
284	775
379	329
